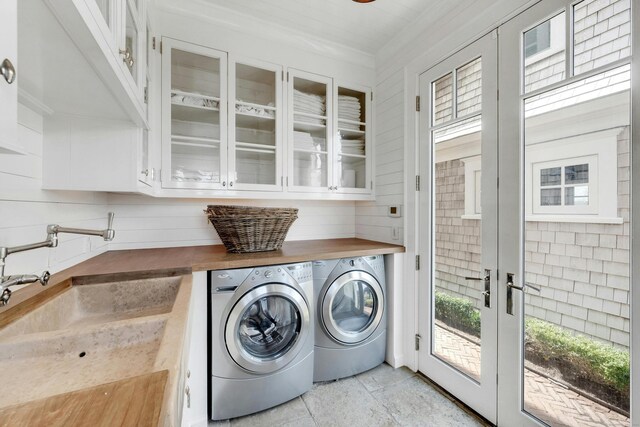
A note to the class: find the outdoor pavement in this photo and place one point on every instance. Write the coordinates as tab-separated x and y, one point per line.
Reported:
549	401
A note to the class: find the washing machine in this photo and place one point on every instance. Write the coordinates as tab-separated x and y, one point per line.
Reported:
262	334
351	321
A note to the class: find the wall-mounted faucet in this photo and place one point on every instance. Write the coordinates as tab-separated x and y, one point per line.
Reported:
51	242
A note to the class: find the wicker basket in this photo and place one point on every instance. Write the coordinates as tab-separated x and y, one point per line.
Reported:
251	229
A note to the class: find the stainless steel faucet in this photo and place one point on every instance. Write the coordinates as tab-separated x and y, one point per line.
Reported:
51	242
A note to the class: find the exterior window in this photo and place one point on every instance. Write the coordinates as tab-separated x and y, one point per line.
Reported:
472	187
537	39
571	181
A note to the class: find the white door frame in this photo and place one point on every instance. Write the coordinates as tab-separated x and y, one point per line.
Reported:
481	396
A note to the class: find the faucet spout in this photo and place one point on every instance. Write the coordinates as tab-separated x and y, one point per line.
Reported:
6	282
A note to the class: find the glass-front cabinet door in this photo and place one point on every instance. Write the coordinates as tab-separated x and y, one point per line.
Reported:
310	132
194	116
352	171
133	44
106	19
255	131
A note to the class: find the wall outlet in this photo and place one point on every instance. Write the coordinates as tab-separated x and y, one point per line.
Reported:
394	212
395	233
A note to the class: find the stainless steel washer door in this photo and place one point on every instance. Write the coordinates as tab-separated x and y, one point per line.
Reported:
267	327
352	307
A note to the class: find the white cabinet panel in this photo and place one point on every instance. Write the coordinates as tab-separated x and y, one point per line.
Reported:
9	87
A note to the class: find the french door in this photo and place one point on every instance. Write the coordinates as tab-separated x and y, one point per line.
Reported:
458	228
537	206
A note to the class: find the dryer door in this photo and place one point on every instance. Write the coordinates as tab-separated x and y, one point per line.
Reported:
352	307
267	327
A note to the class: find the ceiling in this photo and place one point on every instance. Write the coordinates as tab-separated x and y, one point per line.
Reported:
365	27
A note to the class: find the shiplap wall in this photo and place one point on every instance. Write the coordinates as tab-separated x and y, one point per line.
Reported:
25	209
372	220
145	222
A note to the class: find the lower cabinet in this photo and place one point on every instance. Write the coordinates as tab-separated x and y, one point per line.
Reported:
194	389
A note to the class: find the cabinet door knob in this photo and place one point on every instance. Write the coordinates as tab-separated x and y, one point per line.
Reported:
224	183
8	71
230	183
145	172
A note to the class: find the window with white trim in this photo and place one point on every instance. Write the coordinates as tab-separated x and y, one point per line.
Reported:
566	186
472	187
573	178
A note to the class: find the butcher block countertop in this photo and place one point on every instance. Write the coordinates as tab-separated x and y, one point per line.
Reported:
145	264
132	402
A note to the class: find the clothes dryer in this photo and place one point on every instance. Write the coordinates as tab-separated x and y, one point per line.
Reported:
351	321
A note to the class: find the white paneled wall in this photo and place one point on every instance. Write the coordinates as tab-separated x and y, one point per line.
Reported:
144	222
372	220
25	210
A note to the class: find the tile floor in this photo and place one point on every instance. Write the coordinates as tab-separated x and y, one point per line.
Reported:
380	397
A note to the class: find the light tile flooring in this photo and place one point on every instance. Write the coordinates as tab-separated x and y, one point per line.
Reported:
380	397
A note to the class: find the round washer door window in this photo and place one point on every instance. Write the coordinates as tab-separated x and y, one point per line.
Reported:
352	307
266	328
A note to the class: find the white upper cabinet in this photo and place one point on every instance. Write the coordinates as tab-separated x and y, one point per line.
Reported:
352	141
255	131
111	35
310	132
194	116
8	78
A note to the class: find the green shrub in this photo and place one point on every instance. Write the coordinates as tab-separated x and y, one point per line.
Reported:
601	362
609	363
458	313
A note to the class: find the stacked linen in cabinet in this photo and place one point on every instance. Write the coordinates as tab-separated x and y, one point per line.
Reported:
308	103
349	109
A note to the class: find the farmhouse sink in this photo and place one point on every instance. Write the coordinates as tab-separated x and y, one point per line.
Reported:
84	305
96	334
54	363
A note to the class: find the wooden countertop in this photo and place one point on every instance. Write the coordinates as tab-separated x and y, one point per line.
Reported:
131	402
184	260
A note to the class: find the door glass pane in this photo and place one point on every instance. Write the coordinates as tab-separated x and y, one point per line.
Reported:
351	138
354	306
310	151
457	165
469	88
105	10
576	343
442	99
601	33
256	114
269	327
131	43
195	117
544	53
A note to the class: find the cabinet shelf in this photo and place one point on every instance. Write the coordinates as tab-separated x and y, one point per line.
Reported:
195	139
255	122
255	148
195	95
303	150
355	156
254	105
194	113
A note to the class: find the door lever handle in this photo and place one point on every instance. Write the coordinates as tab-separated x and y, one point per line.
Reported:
511	286
487	286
